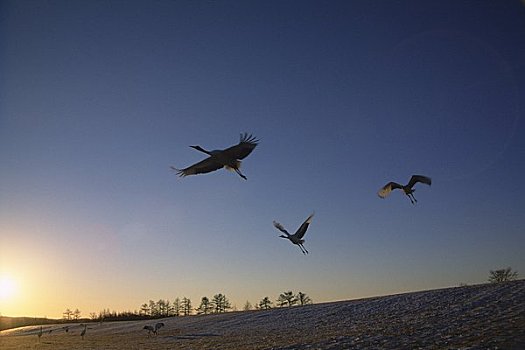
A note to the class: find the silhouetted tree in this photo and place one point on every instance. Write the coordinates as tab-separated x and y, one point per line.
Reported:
248	306
169	308
93	316
503	275
66	315
265	304
185	306
103	314
205	307
286	298
153	309
303	299
220	303
76	314
176	307
144	309
162	307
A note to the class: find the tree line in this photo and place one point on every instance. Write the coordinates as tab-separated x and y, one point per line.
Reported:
219	303
183	307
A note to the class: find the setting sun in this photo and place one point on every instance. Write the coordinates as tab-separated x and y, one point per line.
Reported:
7	287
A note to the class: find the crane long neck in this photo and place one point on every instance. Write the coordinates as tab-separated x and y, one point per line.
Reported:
199	148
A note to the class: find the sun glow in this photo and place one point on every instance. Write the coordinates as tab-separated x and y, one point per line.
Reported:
7	287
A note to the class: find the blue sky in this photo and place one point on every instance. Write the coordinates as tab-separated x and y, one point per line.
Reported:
98	99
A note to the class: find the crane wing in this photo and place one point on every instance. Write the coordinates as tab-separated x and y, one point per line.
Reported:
243	148
205	166
302	230
280	228
386	189
419	178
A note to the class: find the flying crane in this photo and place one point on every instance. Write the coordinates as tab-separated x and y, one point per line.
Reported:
408	188
229	158
297	237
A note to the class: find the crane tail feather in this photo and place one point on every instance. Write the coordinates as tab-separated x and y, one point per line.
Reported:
232	168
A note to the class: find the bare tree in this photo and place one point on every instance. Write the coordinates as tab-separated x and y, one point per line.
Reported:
303	299
161	307
221	303
205	307
503	275
145	310
248	306
169	308
76	314
105	313
153	308
265	304
176	307
287	298
185	306
281	301
66	315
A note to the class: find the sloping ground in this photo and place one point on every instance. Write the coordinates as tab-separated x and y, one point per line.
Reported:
13	322
474	317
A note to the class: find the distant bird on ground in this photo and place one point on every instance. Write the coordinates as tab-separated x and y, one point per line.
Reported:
296	238
409	191
158	326
150	329
228	158
83	332
66	328
39	333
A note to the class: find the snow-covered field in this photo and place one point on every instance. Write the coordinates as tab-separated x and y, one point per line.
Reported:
485	316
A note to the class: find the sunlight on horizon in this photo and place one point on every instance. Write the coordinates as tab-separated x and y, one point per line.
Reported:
343	101
8	288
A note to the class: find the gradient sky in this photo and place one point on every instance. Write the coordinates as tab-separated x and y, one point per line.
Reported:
99	98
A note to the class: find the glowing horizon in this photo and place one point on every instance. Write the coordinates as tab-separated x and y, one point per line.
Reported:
99	99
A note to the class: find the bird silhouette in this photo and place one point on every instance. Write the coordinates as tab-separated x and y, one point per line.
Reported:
83	332
158	326
39	333
408	188
297	237
150	329
230	158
